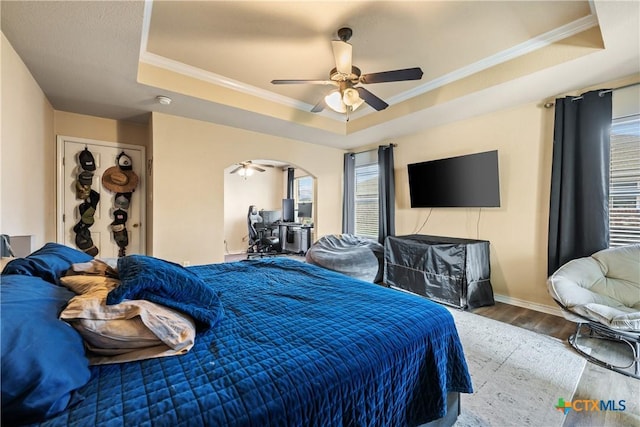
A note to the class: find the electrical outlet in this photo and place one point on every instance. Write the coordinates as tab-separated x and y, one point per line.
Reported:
186	263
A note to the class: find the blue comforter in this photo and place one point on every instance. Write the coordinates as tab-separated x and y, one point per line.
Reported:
298	346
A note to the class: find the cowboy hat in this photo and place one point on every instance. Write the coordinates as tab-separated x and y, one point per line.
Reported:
119	181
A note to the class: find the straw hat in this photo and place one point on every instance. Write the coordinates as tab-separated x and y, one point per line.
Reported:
119	181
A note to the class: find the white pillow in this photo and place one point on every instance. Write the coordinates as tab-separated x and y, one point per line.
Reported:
131	330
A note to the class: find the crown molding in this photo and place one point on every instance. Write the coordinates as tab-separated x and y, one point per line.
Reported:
207	76
522	49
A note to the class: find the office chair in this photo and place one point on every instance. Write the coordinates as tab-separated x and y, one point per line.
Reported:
259	242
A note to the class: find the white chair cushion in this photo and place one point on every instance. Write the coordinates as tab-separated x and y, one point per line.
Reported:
604	287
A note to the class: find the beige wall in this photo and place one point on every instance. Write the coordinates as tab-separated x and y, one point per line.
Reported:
90	127
189	160
518	229
27	151
262	189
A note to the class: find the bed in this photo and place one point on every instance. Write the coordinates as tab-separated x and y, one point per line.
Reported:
294	344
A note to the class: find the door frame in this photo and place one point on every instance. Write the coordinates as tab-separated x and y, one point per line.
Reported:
60	140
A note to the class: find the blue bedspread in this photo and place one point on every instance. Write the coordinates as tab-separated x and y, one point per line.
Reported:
298	346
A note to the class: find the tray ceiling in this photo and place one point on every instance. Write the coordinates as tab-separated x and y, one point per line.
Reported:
216	59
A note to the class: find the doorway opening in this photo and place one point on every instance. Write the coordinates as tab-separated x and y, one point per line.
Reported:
265	189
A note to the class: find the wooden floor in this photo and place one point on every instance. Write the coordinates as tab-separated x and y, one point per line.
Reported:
535	321
596	383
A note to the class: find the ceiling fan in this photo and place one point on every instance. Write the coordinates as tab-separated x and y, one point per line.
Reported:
348	97
246	168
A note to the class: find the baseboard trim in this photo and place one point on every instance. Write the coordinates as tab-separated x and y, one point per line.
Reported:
556	311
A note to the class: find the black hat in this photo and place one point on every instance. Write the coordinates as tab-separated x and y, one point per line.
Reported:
85	177
94	198
124	162
83	238
86	160
80	226
119	217
121	238
84	241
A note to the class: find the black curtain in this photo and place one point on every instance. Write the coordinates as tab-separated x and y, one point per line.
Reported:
348	194
579	205
386	193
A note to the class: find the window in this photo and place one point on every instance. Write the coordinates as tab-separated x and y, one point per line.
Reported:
303	189
624	183
303	193
366	200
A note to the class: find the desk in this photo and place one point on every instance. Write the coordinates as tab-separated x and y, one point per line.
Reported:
295	237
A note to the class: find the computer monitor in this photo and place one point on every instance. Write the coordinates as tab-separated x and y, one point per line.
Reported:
269	217
288	210
304	210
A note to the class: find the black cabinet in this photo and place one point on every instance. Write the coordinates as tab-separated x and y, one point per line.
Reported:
445	269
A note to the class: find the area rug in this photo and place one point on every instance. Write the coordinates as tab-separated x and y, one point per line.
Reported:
518	375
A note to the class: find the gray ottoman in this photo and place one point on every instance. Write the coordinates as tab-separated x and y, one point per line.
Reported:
350	255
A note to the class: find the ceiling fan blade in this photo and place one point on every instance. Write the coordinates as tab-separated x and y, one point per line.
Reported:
392	76
298	82
375	102
236	169
343	53
319	106
256	168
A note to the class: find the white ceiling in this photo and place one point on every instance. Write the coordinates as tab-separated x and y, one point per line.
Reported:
216	59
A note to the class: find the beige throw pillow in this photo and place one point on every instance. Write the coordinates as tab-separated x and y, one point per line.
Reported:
131	330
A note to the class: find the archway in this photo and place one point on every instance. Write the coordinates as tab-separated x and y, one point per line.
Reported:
265	189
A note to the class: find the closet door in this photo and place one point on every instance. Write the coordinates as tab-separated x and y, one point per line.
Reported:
104	154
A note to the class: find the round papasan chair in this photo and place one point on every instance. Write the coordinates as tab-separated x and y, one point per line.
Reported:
349	254
601	293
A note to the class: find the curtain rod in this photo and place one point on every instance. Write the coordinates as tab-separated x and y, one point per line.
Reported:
621	87
375	149
602	92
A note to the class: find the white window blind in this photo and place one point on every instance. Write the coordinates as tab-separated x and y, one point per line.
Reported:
366	203
624	184
303	189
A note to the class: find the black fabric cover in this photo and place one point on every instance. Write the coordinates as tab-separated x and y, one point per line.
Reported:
445	269
350	255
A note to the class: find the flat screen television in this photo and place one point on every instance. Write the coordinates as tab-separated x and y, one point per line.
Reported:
305	210
464	181
269	217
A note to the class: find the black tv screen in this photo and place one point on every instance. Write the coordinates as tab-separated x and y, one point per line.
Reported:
463	181
304	210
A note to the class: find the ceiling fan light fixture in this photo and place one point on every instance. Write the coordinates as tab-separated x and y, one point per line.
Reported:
350	96
334	101
245	171
357	104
